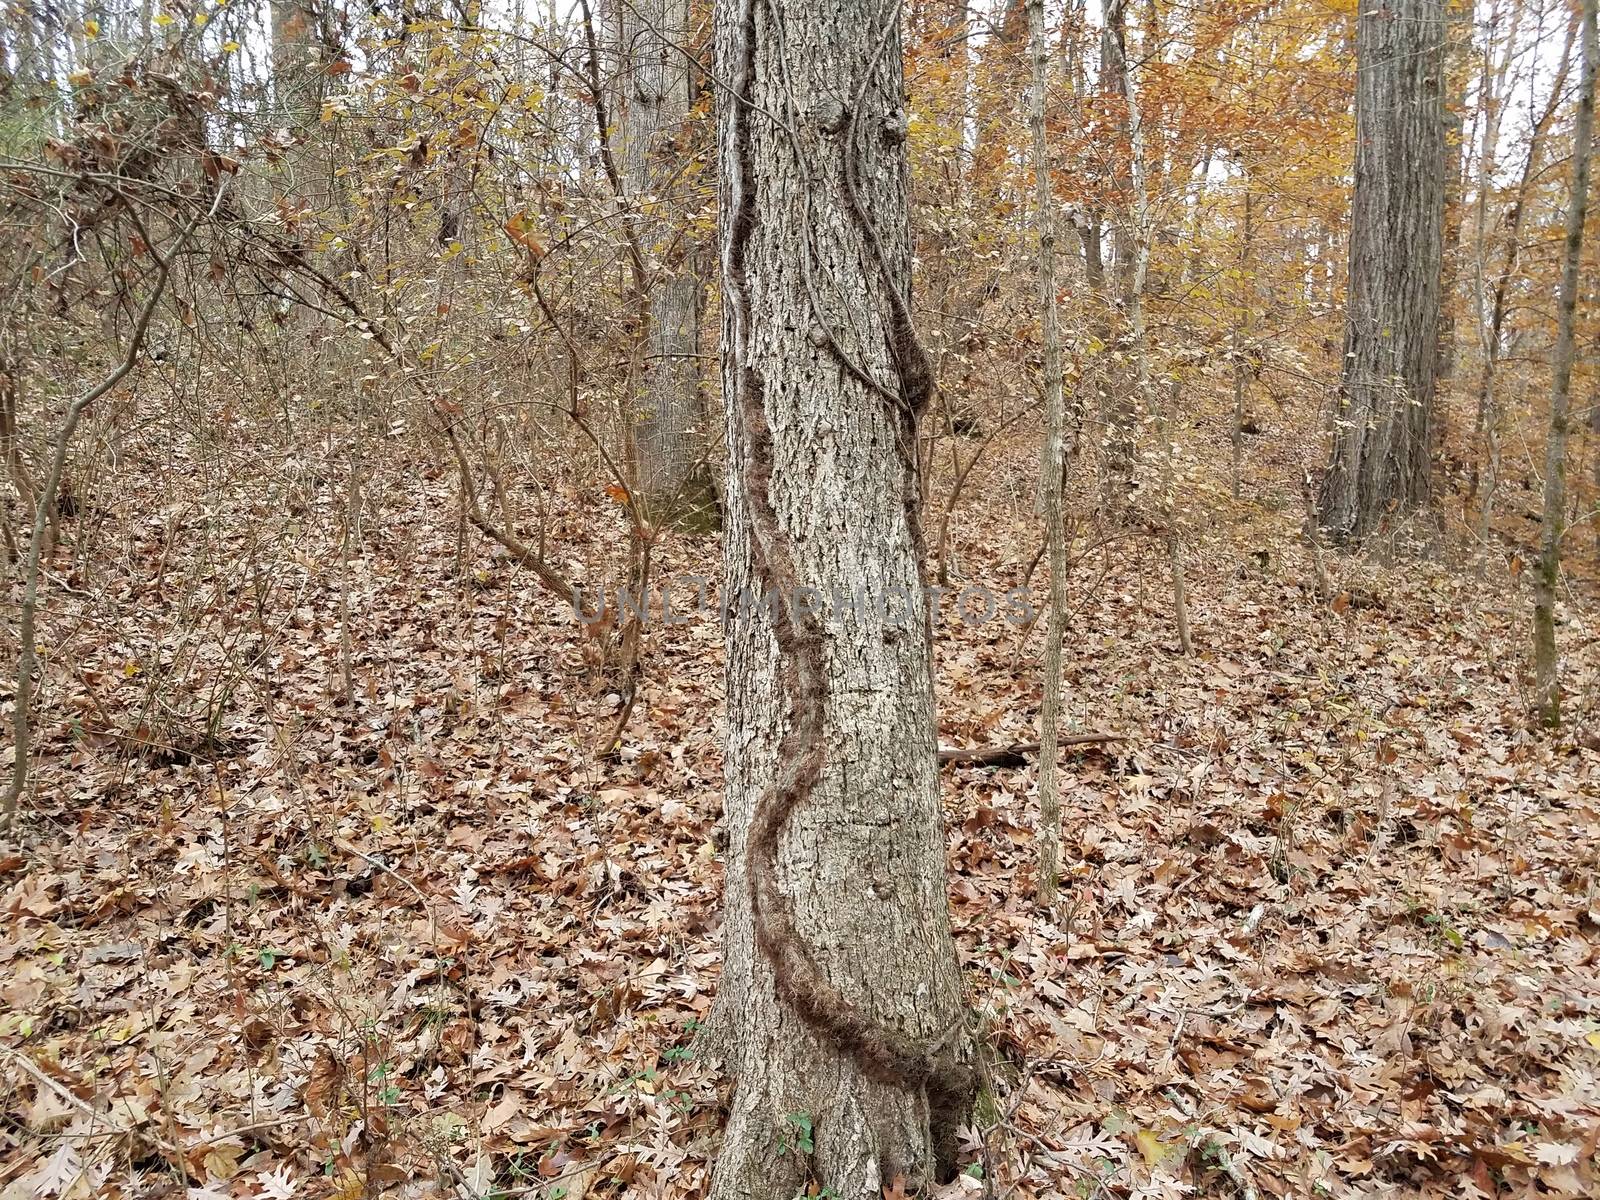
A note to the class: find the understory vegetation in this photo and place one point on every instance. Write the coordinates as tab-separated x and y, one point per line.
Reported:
350	356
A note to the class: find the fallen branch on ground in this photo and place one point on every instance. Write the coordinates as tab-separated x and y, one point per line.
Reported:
1018	753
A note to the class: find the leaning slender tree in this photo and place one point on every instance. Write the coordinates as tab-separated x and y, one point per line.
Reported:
1381	428
841	1010
1548	683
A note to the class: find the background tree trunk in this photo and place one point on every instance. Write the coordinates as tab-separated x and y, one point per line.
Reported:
1051	476
1241	367
1381	431
1548	683
299	86
1457	71
1119	413
652	138
296	62
1139	350
832	788
1492	316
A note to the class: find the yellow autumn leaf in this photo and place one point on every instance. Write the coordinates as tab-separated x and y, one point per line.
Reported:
1155	1151
230	47
163	19
1593	1039
91	28
350	1185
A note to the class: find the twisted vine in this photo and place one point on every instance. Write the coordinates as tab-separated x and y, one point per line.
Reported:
882	1053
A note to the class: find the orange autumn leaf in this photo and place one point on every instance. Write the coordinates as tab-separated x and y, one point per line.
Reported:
518	231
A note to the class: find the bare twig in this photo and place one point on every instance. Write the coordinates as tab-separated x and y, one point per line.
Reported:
46	499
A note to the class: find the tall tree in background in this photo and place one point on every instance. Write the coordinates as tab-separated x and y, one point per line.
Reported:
1119	409
296	62
1493	305
1000	54
841	999
1553	525
1381	429
299	79
652	135
1053	466
1457	73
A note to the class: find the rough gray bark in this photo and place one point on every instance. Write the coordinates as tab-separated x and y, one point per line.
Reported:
1382	427
1547	677
651	136
841	1005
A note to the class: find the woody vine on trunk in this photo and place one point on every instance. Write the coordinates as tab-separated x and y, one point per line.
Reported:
841	1001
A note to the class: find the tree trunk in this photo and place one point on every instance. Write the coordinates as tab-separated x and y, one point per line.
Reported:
1491	94
1492	317
299	84
1053	469
1547	679
841	1011
296	63
999	58
1114	84
1457	69
1241	369
1381	432
1119	414
1594	437
1143	235
1169	512
652	138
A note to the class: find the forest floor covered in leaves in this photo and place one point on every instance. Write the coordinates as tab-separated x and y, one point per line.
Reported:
1331	925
